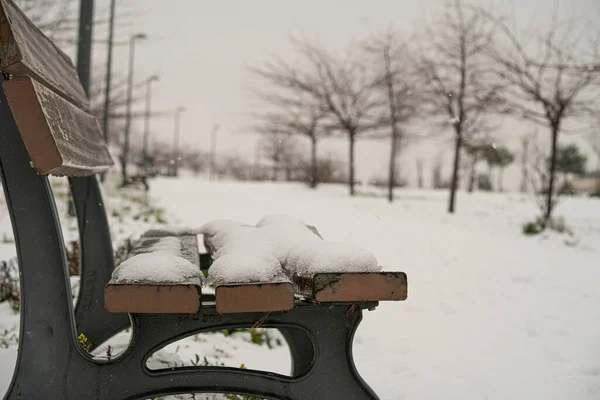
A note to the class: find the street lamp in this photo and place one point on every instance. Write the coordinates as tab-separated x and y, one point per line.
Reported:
111	29
213	149
125	155
149	81
178	112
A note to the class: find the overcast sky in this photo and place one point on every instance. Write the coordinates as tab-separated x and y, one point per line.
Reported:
201	50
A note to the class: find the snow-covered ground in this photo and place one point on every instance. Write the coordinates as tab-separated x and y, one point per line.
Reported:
491	313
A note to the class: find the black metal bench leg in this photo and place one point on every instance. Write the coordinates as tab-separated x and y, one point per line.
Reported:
47	343
301	350
333	374
304	355
97	263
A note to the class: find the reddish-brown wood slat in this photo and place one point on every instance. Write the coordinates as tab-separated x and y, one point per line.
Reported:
157	297
61	139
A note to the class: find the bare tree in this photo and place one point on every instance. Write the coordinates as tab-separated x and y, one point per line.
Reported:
594	140
346	90
341	87
459	85
293	116
56	18
420	173
549	82
524	163
280	148
438	181
394	81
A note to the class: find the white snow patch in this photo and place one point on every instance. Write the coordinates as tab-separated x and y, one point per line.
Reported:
278	243
163	263
331	257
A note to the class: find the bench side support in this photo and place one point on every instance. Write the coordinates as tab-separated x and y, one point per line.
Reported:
47	342
97	263
329	374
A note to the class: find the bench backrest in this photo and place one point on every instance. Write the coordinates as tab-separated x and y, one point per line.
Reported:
47	100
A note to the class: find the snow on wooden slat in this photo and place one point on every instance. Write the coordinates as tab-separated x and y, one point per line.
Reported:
161	275
245	270
280	246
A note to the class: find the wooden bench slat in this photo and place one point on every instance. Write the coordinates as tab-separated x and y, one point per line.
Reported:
255	297
351	286
25	50
277	294
61	139
153	299
354	286
150	296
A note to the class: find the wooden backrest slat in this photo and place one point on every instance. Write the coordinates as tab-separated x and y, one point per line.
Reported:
61	138
26	51
47	100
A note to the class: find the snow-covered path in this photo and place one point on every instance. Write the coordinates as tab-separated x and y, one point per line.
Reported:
491	313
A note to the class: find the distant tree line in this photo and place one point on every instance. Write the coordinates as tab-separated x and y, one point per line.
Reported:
460	73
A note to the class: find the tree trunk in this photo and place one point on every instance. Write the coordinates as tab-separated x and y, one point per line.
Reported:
275	170
552	166
351	165
500	179
393	126
420	174
472	174
598	175
524	165
454	183
123	160
314	178
392	173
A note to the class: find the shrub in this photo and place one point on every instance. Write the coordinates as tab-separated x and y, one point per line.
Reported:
539	225
484	183
533	228
9	283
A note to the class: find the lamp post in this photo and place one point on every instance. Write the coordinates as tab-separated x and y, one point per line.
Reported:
149	81
111	26
213	149
84	59
178	112
125	155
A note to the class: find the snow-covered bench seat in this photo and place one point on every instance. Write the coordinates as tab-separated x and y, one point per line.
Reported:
261	268
161	275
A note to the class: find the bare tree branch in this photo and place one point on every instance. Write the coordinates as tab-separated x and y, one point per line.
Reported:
559	81
458	84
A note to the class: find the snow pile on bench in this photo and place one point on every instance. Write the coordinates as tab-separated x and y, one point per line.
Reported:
277	246
162	263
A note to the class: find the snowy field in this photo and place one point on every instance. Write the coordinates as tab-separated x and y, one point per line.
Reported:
491	313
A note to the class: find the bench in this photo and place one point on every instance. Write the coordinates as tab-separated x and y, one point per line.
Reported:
46	129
